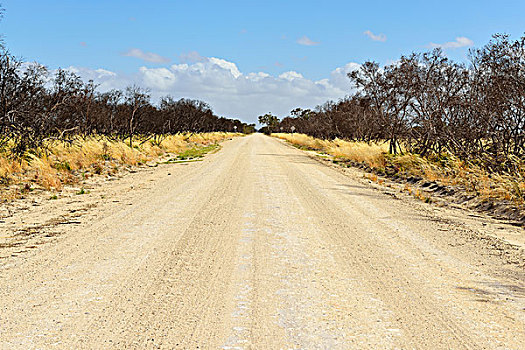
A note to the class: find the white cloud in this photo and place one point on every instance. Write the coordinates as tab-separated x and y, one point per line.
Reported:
461	41
146	56
304	40
229	91
162	79
93	74
291	75
338	77
232	67
104	73
375	37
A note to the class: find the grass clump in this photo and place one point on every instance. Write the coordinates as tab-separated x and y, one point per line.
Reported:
197	152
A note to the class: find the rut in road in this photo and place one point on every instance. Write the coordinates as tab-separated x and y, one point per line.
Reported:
260	246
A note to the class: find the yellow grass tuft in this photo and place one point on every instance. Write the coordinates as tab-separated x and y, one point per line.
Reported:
361	152
8	167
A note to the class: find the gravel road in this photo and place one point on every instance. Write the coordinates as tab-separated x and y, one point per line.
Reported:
260	246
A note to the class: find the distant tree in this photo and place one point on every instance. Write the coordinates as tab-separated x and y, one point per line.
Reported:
136	102
499	83
270	121
108	107
248	128
302	113
388	89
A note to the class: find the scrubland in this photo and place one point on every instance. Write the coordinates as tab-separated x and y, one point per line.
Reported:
452	129
57	129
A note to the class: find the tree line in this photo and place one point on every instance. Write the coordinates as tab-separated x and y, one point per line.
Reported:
36	105
428	104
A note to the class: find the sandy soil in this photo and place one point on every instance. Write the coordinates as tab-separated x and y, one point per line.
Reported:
258	246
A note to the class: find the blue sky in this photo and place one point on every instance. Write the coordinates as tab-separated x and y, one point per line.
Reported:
304	47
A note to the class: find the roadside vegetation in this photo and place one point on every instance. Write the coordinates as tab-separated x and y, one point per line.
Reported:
38	106
428	118
450	172
56	128
60	163
428	105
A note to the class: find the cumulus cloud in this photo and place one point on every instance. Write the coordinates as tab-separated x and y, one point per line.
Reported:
375	37
229	91
146	56
304	40
461	41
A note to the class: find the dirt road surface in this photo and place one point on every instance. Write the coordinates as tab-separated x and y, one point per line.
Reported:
259	246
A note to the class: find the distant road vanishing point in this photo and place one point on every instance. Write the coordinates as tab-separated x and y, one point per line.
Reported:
260	246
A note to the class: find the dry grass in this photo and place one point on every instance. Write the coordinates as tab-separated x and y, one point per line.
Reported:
371	154
446	170
60	163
